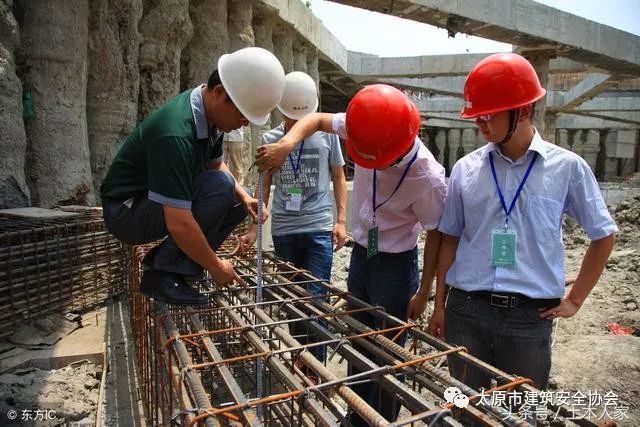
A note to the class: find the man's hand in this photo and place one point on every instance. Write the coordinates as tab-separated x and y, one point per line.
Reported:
339	236
251	206
417	304
224	274
271	156
436	323
566	309
245	241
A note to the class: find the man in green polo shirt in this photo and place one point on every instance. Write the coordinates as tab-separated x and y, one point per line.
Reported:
169	179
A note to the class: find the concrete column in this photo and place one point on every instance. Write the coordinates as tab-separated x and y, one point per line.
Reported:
591	147
210	41
430	140
550	127
299	55
455	145
312	65
13	141
283	50
540	61
563	139
263	24
54	56
166	29
610	163
441	143
240	21
629	165
469	142
112	102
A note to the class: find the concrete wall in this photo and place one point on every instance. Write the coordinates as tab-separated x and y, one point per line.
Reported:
95	68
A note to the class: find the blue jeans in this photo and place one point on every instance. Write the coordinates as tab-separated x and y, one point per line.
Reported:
515	340
313	252
388	280
215	209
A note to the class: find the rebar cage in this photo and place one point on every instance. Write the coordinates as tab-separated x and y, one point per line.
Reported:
238	362
65	264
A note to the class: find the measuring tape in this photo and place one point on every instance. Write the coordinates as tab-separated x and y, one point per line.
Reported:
259	367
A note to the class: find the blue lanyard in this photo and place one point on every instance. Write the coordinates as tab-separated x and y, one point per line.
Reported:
524	179
296	167
404	174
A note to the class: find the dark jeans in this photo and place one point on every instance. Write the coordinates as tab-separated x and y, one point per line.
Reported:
388	280
515	340
215	209
313	252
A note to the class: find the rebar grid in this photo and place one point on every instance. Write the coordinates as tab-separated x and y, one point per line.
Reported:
199	364
67	264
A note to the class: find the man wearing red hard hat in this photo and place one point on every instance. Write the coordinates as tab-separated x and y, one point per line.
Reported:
398	190
500	279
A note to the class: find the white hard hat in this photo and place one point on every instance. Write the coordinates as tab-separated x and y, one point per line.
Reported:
254	80
300	96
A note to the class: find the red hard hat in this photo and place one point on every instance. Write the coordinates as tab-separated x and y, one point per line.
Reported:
500	82
382	124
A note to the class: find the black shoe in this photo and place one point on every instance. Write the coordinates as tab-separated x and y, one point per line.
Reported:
170	288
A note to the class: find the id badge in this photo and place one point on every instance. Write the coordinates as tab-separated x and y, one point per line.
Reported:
372	242
293	199
503	248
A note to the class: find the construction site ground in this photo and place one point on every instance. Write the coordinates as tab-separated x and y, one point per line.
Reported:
100	385
586	356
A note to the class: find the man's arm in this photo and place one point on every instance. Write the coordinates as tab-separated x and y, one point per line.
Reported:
447	256
430	260
250	204
272	156
593	263
340	195
189	237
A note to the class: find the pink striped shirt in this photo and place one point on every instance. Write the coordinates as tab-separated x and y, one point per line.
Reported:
416	206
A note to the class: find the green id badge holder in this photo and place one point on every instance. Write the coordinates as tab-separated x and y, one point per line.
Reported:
503	248
372	242
293	199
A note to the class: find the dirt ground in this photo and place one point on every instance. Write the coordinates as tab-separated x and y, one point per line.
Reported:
586	356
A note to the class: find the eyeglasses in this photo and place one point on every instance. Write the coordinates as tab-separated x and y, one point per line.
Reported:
484	119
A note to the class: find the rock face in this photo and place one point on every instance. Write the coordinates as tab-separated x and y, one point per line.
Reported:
53	58
113	79
166	29
210	41
13	188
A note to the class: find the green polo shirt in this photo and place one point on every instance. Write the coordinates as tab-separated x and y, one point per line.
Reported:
163	156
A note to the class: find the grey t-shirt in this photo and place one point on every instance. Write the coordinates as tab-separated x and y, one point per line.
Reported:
320	152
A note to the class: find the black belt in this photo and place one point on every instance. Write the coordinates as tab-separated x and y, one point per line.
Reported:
509	300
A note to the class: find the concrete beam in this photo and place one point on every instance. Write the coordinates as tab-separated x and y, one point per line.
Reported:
438	85
629	117
435	65
589	87
310	28
601	104
523	23
439	104
446	116
446	123
573	121
612	103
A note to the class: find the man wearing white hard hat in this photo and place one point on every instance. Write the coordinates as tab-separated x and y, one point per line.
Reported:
302	221
169	179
